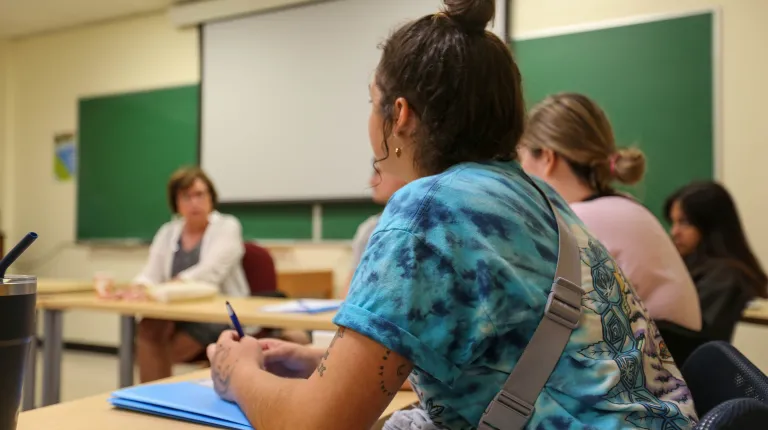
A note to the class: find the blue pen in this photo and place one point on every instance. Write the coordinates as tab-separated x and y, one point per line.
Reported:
235	321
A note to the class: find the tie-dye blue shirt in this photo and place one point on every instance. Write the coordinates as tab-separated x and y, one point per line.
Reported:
456	277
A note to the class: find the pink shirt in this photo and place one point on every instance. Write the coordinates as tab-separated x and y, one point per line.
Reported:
647	257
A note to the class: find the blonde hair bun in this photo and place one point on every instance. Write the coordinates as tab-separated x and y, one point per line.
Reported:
629	166
576	127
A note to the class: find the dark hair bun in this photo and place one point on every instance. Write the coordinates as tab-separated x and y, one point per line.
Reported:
474	15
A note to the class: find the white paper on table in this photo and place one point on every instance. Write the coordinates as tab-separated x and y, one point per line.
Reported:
309	306
757	304
181	291
205	382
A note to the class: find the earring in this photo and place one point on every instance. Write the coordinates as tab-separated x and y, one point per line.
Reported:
398	152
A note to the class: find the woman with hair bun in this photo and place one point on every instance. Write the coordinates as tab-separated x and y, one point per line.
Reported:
569	143
456	277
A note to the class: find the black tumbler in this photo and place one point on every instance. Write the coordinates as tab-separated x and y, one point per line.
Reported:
17	331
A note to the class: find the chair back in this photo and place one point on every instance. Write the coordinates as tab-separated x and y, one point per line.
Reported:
736	414
680	341
717	372
259	268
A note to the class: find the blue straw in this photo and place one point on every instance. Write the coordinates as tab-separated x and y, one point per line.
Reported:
16	252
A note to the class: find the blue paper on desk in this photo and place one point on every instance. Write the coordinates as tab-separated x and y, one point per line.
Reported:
187	401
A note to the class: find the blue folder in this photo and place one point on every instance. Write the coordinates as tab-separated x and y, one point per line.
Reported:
187	401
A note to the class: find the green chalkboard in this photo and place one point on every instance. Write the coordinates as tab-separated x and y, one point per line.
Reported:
129	146
655	82
289	221
340	221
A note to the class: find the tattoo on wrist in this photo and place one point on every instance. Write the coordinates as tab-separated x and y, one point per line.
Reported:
321	367
222	372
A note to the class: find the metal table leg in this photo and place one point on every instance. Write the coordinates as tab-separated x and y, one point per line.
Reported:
126	350
28	401
52	346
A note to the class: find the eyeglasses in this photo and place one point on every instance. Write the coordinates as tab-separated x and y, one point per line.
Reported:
187	196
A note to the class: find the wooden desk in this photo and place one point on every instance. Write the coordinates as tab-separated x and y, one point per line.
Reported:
294	283
210	310
756	313
60	286
95	413
310	284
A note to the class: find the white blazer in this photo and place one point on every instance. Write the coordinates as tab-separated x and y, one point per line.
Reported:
221	255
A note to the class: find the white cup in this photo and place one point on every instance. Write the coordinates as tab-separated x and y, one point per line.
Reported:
104	283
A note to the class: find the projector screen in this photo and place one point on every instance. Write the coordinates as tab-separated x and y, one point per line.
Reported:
285	102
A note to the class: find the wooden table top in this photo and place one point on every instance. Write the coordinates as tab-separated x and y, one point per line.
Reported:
210	310
756	313
61	286
95	413
309	283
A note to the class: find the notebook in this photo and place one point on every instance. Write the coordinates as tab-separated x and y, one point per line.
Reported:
193	401
307	306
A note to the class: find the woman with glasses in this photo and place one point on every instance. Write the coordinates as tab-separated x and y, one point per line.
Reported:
198	245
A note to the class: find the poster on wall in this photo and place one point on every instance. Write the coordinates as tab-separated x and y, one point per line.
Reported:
65	156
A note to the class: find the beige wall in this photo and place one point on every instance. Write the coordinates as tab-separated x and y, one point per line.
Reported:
3	131
744	131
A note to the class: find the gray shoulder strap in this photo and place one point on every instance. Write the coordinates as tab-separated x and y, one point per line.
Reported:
513	405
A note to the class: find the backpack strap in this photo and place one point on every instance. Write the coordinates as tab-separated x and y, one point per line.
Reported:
513	405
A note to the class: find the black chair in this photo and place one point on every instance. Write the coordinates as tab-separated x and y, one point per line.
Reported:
274	294
736	414
721	381
680	341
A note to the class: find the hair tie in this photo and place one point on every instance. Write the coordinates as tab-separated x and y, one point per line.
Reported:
613	159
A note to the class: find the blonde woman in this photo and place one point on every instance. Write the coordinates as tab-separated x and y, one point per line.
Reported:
569	143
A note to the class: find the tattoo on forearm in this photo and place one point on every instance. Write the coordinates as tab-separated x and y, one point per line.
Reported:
321	367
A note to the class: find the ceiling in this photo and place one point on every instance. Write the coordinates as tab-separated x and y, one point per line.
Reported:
25	17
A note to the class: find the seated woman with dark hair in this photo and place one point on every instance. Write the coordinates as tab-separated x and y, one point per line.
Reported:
456	278
707	232
200	245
